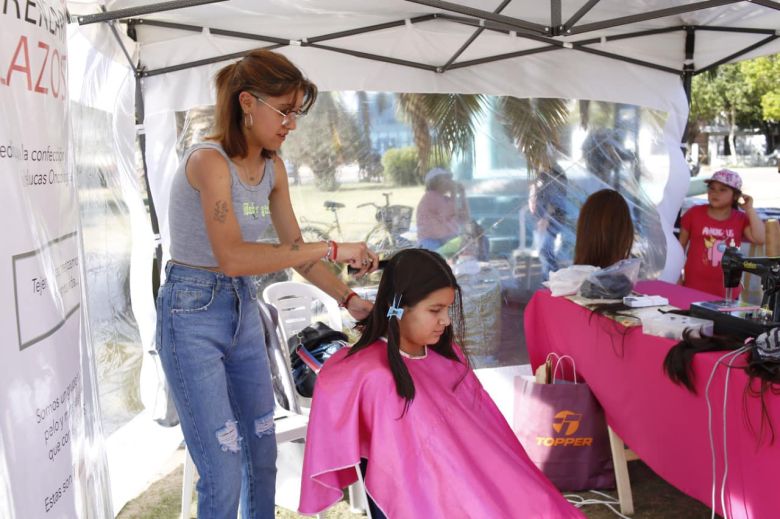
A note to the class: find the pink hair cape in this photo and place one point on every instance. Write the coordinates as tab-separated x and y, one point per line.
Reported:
451	455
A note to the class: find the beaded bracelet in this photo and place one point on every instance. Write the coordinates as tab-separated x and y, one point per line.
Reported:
347	298
330	254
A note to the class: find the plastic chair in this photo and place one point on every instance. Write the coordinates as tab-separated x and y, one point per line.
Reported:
300	304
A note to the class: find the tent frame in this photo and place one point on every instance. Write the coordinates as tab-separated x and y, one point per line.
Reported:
483	20
480	19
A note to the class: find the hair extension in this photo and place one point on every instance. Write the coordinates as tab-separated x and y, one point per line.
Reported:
611	311
767	373
678	363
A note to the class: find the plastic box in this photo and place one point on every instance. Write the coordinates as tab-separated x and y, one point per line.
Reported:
672	326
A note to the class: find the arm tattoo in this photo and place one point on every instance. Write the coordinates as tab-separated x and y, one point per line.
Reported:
220	211
306	267
295	247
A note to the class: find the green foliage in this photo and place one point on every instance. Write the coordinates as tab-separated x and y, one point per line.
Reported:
534	124
762	75
401	166
328	137
743	94
446	124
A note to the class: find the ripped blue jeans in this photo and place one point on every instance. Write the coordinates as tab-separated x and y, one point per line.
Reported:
211	346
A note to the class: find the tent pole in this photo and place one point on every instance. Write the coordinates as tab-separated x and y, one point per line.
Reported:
139	122
650	15
737	54
471	39
688	64
141	10
484	15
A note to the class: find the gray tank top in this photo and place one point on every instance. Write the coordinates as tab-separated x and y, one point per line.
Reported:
189	241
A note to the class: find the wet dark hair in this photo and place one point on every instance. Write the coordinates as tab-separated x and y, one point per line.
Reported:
763	374
412	275
605	232
263	72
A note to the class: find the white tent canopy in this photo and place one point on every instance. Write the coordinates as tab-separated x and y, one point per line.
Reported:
640	52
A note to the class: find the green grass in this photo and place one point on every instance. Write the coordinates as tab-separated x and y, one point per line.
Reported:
355	222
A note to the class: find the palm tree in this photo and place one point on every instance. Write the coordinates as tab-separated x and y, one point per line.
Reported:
444	124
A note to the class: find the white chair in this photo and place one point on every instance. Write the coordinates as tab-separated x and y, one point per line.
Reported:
300	304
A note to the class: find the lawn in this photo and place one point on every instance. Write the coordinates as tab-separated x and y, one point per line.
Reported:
355	222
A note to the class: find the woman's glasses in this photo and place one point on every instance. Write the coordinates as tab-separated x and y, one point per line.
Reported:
287	115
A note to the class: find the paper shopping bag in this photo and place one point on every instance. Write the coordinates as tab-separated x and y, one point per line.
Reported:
563	430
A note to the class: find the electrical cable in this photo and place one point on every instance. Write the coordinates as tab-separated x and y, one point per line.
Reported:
579	501
734	354
725	446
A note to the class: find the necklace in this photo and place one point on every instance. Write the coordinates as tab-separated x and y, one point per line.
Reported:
250	176
415	357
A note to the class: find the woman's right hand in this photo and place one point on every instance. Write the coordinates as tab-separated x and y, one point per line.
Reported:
358	256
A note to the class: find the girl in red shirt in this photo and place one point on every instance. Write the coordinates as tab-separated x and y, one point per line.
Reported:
706	231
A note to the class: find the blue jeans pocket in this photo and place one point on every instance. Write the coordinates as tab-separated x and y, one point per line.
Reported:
189	298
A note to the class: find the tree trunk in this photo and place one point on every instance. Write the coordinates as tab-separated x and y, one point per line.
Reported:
732	130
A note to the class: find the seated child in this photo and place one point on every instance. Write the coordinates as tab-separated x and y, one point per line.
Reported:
404	403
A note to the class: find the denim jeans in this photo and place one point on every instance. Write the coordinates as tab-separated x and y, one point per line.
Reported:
211	346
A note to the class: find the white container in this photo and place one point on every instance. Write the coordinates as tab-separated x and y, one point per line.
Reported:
672	326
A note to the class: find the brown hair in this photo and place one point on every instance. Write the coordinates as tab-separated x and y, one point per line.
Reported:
605	232
261	72
410	276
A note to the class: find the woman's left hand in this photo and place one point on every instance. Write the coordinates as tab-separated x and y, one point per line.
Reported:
747	201
359	308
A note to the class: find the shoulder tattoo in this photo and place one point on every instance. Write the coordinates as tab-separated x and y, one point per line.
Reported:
220	211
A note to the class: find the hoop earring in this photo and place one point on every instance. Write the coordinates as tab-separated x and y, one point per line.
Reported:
248	120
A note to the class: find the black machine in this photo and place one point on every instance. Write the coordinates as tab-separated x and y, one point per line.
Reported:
735	318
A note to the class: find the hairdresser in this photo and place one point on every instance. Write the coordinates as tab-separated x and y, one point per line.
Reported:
225	194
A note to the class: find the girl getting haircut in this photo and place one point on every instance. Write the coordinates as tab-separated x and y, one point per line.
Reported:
411	275
605	232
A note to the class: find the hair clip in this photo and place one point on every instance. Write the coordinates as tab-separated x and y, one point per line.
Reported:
395	309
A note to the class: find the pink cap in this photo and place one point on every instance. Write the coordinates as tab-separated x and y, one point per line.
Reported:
727	177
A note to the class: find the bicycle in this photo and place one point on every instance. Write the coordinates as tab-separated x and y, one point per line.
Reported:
384	238
314	231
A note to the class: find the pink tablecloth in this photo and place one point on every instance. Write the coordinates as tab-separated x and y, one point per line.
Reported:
662	422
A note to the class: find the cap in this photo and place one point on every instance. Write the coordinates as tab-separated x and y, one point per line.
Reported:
436	172
727	177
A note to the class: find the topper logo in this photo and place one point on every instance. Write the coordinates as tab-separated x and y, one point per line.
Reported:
566	422
569	419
